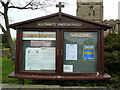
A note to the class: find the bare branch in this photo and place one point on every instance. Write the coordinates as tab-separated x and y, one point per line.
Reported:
1	13
29	3
1	1
34	5
3	29
8	1
21	7
27	6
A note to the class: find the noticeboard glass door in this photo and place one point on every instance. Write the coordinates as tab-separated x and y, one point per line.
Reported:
80	52
39	51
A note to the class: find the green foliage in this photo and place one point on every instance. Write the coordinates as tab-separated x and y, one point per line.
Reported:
3	41
5	45
112	52
7	68
112	58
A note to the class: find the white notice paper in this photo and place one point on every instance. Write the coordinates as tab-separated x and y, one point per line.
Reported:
48	58
40	58
68	68
71	51
32	61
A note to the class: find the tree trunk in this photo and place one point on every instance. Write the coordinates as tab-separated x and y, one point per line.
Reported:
7	33
11	45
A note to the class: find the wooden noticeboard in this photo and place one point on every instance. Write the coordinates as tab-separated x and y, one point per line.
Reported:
59	47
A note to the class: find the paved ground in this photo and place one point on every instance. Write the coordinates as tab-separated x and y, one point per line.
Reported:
28	86
48	87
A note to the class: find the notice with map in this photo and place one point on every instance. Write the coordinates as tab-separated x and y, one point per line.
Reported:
40	58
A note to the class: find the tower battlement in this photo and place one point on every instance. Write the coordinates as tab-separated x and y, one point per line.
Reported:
114	24
111	21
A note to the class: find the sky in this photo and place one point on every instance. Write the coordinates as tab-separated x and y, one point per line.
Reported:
110	12
119	10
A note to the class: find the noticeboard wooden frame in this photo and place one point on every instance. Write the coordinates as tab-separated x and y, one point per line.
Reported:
58	74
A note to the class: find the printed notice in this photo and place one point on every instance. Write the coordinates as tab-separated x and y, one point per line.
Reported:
32	59
37	43
40	58
88	53
71	51
68	68
48	58
39	35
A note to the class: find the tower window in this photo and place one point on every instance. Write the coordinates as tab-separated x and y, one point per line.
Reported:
93	13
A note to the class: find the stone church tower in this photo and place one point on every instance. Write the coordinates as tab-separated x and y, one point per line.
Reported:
93	10
90	9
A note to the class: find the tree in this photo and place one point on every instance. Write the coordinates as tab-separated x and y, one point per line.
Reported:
9	4
112	53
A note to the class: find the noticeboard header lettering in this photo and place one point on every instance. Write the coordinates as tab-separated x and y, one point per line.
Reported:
60	24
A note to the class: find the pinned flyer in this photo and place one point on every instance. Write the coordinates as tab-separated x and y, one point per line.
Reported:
88	53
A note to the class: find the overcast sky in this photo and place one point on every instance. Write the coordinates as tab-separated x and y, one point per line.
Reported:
110	12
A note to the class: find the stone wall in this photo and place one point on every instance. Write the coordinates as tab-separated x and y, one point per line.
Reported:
114	24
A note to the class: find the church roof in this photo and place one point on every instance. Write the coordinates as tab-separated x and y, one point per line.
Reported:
54	18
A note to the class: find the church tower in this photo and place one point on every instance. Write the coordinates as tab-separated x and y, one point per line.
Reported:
90	9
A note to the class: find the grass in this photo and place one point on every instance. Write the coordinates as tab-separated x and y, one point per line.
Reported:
7	68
